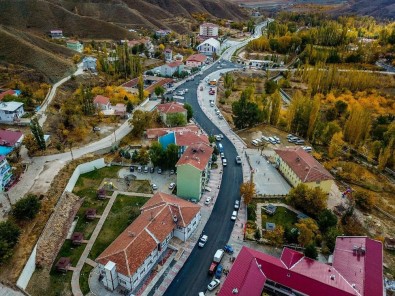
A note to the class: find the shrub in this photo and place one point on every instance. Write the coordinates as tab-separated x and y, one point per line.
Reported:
26	208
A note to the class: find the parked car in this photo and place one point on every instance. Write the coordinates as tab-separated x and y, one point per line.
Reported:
139	169
202	241
194	200
171	172
208	200
224	162
96	129
238	159
237	204
213	284
131	169
145	169
299	142
159	171
154	187
228	249
151	170
277	139
234	216
220	116
218	273
172	185
218	137
222	155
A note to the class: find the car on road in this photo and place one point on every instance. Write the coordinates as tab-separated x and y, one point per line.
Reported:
208	200
238	159
154	187
159	171
213	284
96	129
202	241
222	155
218	273
234	216
221	135
237	204
224	162
218	137
220	116
211	92
172	185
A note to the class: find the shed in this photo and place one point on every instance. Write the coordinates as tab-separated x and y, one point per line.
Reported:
270	209
77	238
270	226
389	243
90	214
63	264
101	193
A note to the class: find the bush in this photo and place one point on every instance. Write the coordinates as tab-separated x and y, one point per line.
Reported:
364	200
311	251
26	208
9	235
251	208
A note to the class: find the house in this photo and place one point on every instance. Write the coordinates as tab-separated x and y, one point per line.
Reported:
171	68
11	111
168	55
209	47
102	102
89	63
90	214
208	30
193	170
169	109
8	92
56	34
196	60
63	264
8	140
260	63
183	139
75	45
389	243
178	57
155	133
145	41
5	173
77	238
357	270
136	251
298	166
120	110
162	33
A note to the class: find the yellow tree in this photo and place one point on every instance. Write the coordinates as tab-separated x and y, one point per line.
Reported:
308	229
336	145
276	236
315	111
247	191
357	126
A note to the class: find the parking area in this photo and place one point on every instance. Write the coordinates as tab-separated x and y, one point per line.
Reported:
162	181
267	179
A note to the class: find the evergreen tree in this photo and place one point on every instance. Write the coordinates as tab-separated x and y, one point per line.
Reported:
140	86
38	133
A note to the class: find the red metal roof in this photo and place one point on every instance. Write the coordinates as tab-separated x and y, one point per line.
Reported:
349	275
9	138
197	58
174	64
188	138
7	92
154	133
172	107
197	155
99	99
304	165
131	83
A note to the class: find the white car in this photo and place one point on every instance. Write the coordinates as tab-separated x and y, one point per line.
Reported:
238	159
207	201
234	216
202	241
222	155
213	284
237	205
172	185
218	137
154	187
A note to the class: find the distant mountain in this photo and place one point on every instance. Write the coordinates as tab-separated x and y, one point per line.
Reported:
381	9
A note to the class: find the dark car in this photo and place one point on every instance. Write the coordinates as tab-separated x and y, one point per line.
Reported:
228	249
218	272
151	170
131	169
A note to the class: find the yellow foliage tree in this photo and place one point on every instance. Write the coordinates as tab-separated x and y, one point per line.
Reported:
247	191
336	145
276	236
308	229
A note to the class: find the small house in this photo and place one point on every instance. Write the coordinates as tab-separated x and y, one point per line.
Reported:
162	33
77	238
196	60
89	63
171	68
168	55
171	108
209	47
90	214
389	243
56	34
120	110
75	45
11	111
8	92
63	264
102	102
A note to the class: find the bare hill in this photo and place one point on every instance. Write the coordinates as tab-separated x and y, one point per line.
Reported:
381	9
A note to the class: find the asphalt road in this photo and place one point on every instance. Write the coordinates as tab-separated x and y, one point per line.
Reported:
193	277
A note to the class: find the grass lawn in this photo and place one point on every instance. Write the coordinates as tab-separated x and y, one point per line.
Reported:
85	271
140	186
73	252
283	217
55	284
124	210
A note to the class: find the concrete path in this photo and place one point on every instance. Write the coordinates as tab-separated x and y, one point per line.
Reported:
75	279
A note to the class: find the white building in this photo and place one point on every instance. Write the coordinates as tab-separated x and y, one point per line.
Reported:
11	111
208	30
209	47
132	255
89	63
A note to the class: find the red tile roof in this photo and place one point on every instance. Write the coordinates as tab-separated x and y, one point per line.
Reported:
99	99
304	165
174	64
197	155
129	250
131	83
7	92
197	58
309	276
150	89
9	138
154	133
188	138
172	107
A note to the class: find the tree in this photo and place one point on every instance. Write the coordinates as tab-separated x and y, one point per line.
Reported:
308	229
312	201
228	81
275	108
140	121
38	133
189	111
143	156
171	156
357	125
129	107
176	119
247	191
315	110
311	251
9	235
336	145
159	91
156	154
365	200
30	143
245	113
86	97
26	208
270	87
276	236
257	234
330	237
326	219
140	87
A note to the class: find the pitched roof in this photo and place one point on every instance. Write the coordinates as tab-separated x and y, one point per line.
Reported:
211	25
197	58
10	106
197	155
99	99
7	92
174	64
131	83
171	107
152	226
304	165
9	138
188	138
154	133
310	276
150	89
211	41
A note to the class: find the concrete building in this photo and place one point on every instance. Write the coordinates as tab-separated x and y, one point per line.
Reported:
168	55
162	33
171	108
89	63
102	102
9	140
156	133
136	251
183	139
11	111
5	173
357	270
196	60
75	45
171	68
208	30
193	170
298	166
56	34
209	47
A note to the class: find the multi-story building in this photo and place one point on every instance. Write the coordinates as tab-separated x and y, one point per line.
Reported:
208	30
89	63
136	251
5	173
171	108
209	47
357	270
168	55
183	139
196	60
298	166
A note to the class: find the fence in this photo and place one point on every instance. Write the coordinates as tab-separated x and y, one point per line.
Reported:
30	266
